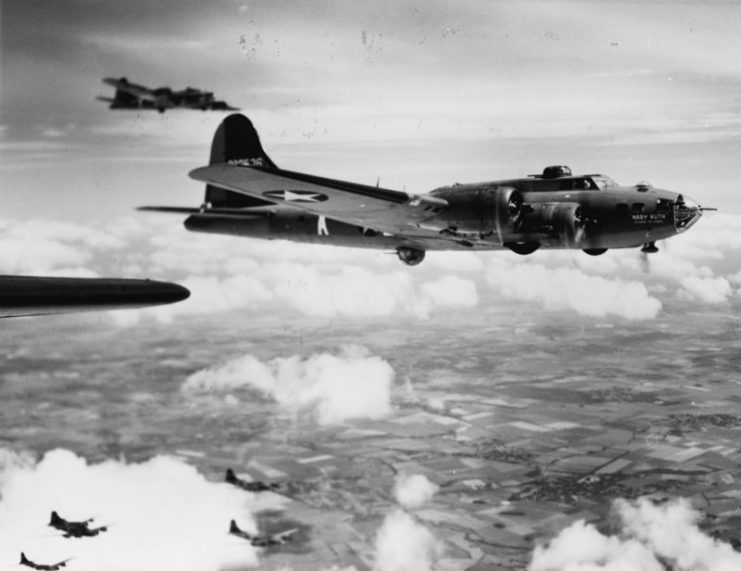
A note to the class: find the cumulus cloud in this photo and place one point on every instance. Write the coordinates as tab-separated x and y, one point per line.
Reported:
161	514
344	291
650	538
413	491
569	288
227	273
706	290
402	542
52	247
352	384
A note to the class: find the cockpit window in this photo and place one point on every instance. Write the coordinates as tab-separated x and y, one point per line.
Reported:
603	182
578	184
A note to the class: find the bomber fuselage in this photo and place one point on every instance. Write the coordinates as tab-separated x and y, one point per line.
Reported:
589	212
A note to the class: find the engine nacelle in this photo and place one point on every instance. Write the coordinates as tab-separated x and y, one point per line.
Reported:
507	212
563	222
512	216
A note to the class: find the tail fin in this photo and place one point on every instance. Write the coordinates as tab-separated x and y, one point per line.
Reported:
24	560
122	96
55	519
236	140
230	477
233	527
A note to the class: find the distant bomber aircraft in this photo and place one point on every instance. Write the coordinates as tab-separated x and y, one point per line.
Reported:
41	567
232	479
248	195
262	540
75	528
132	96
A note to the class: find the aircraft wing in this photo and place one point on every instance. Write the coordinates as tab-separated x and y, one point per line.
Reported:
223	106
382	209
284	536
126	86
30	295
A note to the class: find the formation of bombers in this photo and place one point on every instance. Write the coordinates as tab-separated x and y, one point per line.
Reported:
247	194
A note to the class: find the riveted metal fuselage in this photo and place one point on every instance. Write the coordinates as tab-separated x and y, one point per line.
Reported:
586	212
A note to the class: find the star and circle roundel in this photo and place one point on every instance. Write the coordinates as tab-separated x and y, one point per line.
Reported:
295	195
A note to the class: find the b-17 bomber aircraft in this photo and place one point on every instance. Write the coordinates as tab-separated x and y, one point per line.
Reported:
132	96
75	528
231	478
262	540
40	566
247	194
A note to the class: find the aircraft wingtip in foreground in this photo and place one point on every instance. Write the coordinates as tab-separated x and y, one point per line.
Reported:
132	96
22	296
247	194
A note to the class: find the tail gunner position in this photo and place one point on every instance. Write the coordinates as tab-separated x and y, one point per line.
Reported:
248	195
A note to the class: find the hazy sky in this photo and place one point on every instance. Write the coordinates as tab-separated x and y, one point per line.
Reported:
420	94
417	93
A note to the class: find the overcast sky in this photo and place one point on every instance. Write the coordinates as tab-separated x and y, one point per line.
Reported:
418	94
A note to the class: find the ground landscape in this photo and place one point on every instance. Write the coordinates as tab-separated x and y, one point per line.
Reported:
525	424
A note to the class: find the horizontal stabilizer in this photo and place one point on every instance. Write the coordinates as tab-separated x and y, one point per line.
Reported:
253	212
170	209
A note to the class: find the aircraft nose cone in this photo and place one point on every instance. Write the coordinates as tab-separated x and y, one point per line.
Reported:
686	212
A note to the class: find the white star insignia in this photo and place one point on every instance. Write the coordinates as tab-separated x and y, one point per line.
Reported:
291	196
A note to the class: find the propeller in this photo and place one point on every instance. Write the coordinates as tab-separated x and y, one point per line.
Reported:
580	225
514	205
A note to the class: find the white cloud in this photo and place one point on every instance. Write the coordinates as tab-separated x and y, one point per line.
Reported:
580	547
450	291
404	544
568	288
649	535
45	246
313	290
229	274
706	290
334	388
413	491
354	291
161	514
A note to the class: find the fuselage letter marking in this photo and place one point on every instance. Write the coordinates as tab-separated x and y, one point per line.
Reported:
321	226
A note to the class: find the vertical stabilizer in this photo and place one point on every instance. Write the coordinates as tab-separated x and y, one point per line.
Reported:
236	140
